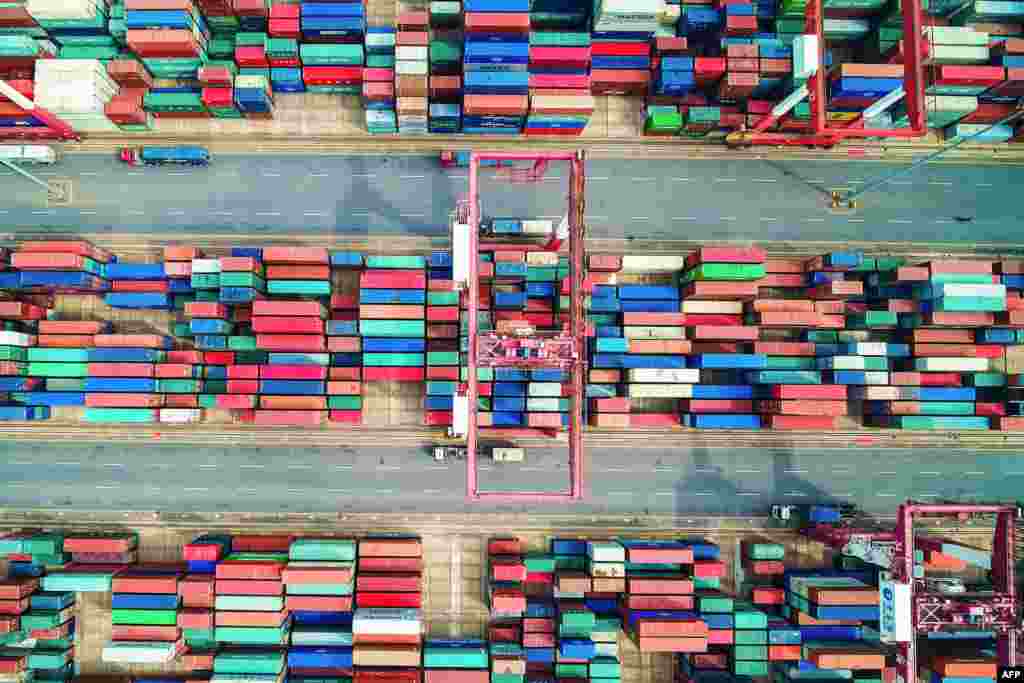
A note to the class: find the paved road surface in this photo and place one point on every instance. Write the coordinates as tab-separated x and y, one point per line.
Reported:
704	199
711	481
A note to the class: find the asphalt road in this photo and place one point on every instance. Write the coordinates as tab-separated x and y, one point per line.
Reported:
745	199
690	481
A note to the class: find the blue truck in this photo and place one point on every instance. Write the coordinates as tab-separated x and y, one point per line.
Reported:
180	155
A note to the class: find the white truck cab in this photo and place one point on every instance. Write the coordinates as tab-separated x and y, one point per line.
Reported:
508	454
28	154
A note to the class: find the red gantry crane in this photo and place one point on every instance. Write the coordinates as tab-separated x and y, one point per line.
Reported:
519	344
909	608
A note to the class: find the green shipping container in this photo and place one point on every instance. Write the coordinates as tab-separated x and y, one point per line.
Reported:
345	402
714	604
750	637
442	298
750	668
242	343
145	617
725	271
58	369
766	551
179	386
254	603
397	262
455	658
109	415
15	353
302	287
393	360
242	280
249	635
392	328
442	358
248	662
337	549
346	54
570	670
319	588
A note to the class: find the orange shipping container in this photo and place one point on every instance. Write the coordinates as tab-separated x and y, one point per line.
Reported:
390	547
386	655
964	667
672	644
842	658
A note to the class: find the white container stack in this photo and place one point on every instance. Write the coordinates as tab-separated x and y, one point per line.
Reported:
76	90
55	10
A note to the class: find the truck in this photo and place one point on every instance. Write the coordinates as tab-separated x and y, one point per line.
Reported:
28	154
181	155
508	454
461	160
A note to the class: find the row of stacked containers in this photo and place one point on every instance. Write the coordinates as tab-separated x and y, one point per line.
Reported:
272	608
725	337
501	66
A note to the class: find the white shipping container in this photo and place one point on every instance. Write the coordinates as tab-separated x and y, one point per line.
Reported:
608	570
10	338
387	627
663	375
606	649
876	377
180	415
546	389
541	258
956	289
62	9
205	265
722	307
651	263
606	551
879	393
943	364
659	390
575	103
870	348
411	53
408	68
842	363
538	227
653	332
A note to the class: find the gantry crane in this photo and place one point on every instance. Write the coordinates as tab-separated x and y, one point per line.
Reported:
517	343
914	609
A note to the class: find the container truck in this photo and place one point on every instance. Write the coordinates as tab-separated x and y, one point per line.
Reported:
28	154
184	155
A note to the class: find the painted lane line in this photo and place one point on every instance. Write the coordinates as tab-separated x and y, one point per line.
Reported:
271	175
343	467
939	182
21	463
88	173
984	185
703	493
384	492
318	175
208	466
268	213
598	178
175	213
725	180
640	218
88	213
900	221
974	474
766	218
104	486
431	492
596	218
795	471
728	218
615	469
411	215
933	474
927	495
748	493
681	180
765	180
814	220
249	492
797	494
195	489
900	182
641	180
664	493
48	212
854	220
389	468
223	213
135	173
890	474
252	467
68	464
620	493
113	464
300	467
410	177
343	492
748	471
364	175
48	173
684	218
312	213
886	495
296	492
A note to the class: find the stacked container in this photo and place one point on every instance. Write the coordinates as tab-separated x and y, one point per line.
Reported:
621	49
77	91
392	318
171	40
120	385
445	76
145	615
137	285
495	62
462	660
442	340
412	80
249	603
389	636
253	97
379	84
507	574
126	108
319	582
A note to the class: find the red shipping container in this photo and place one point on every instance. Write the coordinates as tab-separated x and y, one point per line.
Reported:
365	675
390	564
243	386
538	640
619	49
174	371
384	374
181	401
250	569
318	603
435	372
409	600
265	619
287	324
716	406
344	374
388	583
77	327
296	255
298	272
816	407
829	392
496	22
393	279
149	341
748	333
659	602
299	308
158	633
249	587
206	309
78	247
94	400
673	644
666	319
438	418
306	372
146	584
619	81
121	370
496	105
294	418
763	595
610	405
14	606
783	653
671	627
291	342
456	676
805	422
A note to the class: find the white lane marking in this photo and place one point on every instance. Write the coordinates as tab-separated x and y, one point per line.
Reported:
596	218
88	173
976	474
620	493
887	473
748	493
899	220
389	468
341	491
854	220
411	214
135	173
300	467
271	175
48	173
21	463
318	175
933	474
113	464
364	175
597	178
47	212
797	494
728	218
464	177
250	492
360	213
684	218
343	467
4	211
208	466
105	486
767	218
725	180
136	212
765	180
703	493
223	213
886	495
663	493
410	177
312	213
615	469
384	492
252	467
195	489
814	220
984	185
939	182
641	180
681	180
175	212
268	213
431	492
941	221
664	469
88	213
748	471
927	495
640	218
18	485
795	471
296	492
68	464
900	182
